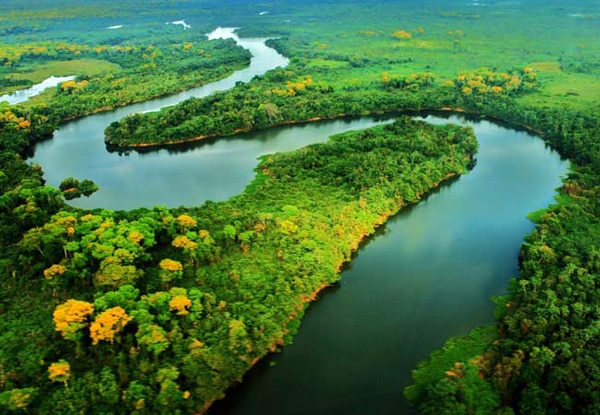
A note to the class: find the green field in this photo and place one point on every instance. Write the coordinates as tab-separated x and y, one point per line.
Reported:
80	67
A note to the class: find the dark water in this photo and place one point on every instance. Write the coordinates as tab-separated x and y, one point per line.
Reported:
188	175
426	276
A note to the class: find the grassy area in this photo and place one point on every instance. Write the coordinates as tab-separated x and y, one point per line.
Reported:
352	40
560	89
325	63
88	67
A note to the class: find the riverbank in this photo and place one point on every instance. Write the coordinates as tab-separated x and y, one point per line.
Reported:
248	264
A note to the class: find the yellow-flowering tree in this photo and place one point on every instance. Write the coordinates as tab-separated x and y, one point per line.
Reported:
71	316
186	222
170	270
184	243
59	371
54	270
181	304
108	323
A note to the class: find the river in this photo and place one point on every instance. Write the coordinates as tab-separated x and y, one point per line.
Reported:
428	274
149	179
24	94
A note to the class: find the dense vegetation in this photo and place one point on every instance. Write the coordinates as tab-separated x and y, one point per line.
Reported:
159	311
543	357
112	75
266	102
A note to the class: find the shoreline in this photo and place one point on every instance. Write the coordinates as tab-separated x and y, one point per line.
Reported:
307	299
448	110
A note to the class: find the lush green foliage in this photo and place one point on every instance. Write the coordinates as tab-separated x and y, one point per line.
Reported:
138	71
290	95
73	188
22	127
453	381
550	317
172	307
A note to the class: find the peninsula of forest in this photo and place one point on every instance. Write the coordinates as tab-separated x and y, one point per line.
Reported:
161	310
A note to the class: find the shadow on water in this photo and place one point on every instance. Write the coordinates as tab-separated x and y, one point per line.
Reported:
236	393
270	133
263	136
426	275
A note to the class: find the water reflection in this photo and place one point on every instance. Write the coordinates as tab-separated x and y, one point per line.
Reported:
428	275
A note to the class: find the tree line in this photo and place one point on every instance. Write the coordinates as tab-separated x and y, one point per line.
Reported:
289	95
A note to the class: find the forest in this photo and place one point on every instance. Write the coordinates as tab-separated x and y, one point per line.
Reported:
161	310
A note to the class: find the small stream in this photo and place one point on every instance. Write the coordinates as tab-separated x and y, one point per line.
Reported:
23	95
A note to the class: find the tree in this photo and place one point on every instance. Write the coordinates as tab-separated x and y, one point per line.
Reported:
170	270
153	336
59	371
16	399
169	394
71	317
107	324
185	222
401	34
72	188
113	275
184	243
179	301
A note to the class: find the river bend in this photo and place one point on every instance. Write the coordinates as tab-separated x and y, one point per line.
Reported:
428	274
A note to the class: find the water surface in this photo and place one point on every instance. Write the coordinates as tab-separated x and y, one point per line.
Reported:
426	276
24	94
149	179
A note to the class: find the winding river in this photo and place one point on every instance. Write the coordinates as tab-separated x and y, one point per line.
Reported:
428	274
148	179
